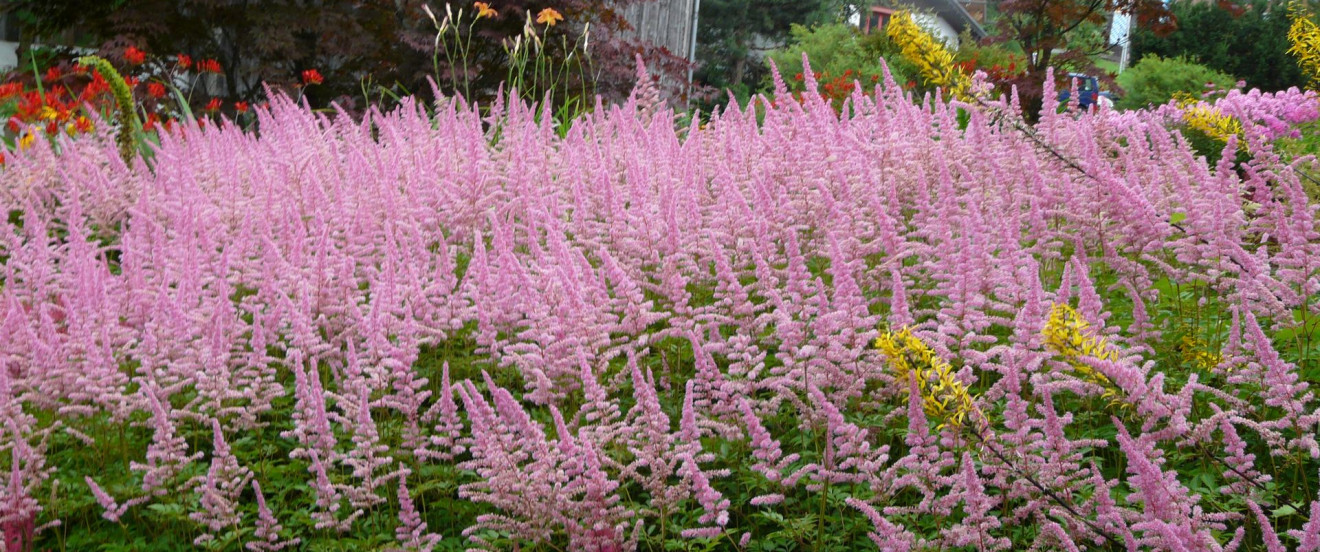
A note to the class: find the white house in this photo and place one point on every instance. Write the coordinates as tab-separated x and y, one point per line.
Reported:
8	42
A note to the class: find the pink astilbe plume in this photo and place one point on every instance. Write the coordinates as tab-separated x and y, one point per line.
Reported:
219	490
770	459
167	455
1169	515
411	532
112	509
677	325
652	443
1272	543
445	441
1244	478
849	457
1308	537
975	528
888	536
268	528
602	519
924	467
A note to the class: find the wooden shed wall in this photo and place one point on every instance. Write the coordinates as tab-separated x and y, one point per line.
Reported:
665	23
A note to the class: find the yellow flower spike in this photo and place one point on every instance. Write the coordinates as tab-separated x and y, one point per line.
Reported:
548	17
484	10
943	395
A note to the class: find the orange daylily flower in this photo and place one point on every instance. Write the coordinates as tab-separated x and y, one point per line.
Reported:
484	10
549	17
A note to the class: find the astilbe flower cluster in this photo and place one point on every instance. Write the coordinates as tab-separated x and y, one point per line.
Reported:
673	321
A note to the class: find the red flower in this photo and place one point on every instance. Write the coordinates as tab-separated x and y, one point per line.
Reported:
13	124
185	61
10	89
150	125
82	124
312	76
209	66
29	104
156	90
241	107
132	82
95	88
134	56
53	74
212	105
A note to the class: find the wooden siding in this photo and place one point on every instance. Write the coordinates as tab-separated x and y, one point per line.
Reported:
664	23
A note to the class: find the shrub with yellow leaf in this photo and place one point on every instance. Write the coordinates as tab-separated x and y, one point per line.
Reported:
943	395
929	55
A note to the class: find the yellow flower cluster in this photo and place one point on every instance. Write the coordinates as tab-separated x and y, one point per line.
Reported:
943	396
1304	40
1208	119
929	55
1070	336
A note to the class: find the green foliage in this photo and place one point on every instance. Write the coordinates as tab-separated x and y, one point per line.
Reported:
1252	45
1154	80
836	48
1003	63
1208	146
733	35
1306	145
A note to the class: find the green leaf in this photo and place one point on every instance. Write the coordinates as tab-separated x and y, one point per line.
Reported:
1285	511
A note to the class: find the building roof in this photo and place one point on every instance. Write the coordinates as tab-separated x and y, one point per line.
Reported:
953	13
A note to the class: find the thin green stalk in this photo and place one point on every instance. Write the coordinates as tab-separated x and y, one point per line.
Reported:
37	77
820	517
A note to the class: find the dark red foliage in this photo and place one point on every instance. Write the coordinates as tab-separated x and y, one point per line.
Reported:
255	43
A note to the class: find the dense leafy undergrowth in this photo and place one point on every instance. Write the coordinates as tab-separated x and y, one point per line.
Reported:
898	327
